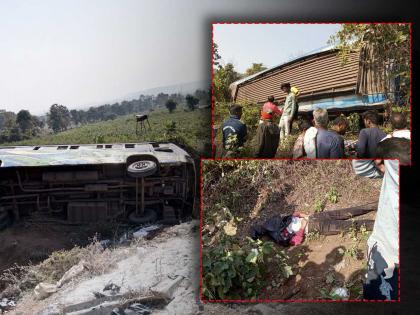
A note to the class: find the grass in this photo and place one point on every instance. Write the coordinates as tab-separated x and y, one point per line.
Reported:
20	280
191	128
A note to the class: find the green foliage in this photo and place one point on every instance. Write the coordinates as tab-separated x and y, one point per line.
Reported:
329	295
390	45
223	77
231	271
171	105
332	195
353	123
192	129
350	252
319	205
233	267
192	102
58	118
255	68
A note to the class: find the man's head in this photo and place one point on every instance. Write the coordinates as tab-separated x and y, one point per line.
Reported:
271	98
236	110
285	87
394	148
321	118
339	125
398	121
370	118
304	125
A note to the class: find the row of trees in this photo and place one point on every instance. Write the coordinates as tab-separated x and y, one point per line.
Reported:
191	102
24	125
15	127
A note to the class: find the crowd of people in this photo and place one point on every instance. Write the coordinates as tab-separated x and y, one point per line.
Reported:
318	138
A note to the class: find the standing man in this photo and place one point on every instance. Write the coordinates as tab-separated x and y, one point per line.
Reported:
234	131
383	250
270	109
329	144
399	123
267	139
370	136
288	111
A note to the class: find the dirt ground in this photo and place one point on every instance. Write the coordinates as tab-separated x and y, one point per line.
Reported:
320	263
32	241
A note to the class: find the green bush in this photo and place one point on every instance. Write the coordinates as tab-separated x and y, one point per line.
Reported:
232	270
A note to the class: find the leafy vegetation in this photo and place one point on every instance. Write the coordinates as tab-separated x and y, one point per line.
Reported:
233	271
235	268
191	129
23	125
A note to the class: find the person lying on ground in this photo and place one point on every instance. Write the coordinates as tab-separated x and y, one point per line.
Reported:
381	281
370	136
234	131
270	110
399	123
288	110
298	148
328	143
291	229
267	139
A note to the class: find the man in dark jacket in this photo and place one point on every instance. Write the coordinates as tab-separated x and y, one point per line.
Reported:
234	131
370	136
267	139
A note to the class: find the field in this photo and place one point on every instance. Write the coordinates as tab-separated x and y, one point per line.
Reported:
191	129
239	194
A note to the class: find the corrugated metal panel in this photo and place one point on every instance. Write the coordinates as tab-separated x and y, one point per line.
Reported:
320	73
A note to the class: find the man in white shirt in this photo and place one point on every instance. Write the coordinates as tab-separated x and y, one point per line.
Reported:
399	123
383	244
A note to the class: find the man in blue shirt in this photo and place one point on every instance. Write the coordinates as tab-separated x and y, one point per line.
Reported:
370	136
329	144
234	130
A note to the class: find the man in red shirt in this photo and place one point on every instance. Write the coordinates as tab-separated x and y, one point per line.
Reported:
270	110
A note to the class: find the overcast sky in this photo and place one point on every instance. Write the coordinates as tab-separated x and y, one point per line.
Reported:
271	44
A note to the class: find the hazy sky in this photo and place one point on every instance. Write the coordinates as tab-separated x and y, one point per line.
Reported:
271	44
84	52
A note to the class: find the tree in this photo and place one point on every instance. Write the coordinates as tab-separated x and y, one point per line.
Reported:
58	118
171	105
191	101
162	98
75	116
216	56
255	68
223	78
24	121
390	48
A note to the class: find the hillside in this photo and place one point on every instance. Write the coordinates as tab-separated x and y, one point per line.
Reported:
188	128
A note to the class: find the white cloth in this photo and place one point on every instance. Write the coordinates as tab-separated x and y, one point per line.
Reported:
284	126
309	142
295	225
404	133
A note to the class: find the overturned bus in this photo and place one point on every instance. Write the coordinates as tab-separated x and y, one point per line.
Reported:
137	182
324	81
